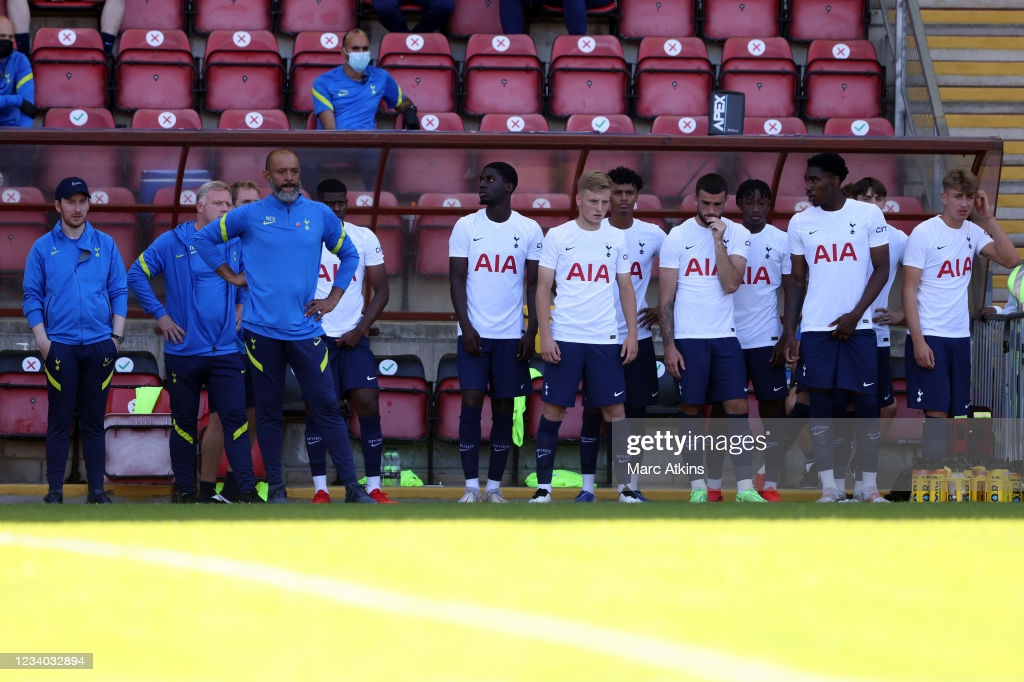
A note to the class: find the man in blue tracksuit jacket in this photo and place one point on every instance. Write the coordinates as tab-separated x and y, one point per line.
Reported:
282	237
76	299
199	328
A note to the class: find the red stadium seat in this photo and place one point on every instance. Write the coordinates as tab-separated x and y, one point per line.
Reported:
673	77
882	166
432	231
725	19
896	207
315	52
613	124
162	222
474	16
98	164
843	78
405	400
502	75
760	125
761	166
389	229
525	202
588	75
137	445
764	71
154	70
448	399
642	18
23	397
36	218
143	159
135	368
675	174
231	15
166	15
297	16
422	65
122	227
418	171
871	127
650	202
827	19
536	168
254	119
16	240
242	70
69	67
572	422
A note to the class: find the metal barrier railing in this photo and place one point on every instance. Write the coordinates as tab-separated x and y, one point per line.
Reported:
919	111
997	370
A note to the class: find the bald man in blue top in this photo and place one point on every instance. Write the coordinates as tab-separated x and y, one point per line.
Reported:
282	237
348	97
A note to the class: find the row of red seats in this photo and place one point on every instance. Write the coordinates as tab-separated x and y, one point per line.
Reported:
586	75
800	20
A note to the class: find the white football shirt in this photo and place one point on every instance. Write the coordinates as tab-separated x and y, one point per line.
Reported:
702	309
837	246
757	300
497	255
585	264
643	241
897	244
349	311
945	257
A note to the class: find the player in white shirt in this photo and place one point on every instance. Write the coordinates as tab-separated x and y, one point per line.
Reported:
840	254
588	261
491	255
758	326
703	262
643	241
347	333
937	267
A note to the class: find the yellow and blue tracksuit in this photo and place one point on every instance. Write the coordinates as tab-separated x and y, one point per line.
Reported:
16	86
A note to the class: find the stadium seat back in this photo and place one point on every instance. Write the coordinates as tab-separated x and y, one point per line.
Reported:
843	79
422	65
101	164
418	171
337	16
675	174
764	71
253	119
527	202
315	53
154	70
432	232
23	394
725	19
69	67
137	444
448	402
537	168
502	74
639	19
673	77
231	15
242	70
166	15
474	16
588	75
827	19
405	400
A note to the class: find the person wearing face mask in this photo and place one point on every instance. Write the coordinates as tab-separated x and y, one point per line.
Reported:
348	97
17	88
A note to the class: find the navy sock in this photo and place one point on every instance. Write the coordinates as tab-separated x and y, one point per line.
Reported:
108	43
618	439
935	441
742	461
469	440
547	444
590	441
372	443
501	443
316	450
230	489
821	430
868	431
207	489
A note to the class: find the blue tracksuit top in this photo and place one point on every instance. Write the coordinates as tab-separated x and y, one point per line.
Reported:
198	299
73	286
354	103
282	247
16	86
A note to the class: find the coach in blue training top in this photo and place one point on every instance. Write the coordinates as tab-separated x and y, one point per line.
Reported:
348	97
17	87
198	324
282	237
76	299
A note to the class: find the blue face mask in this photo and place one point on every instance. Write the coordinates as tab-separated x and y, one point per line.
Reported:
358	61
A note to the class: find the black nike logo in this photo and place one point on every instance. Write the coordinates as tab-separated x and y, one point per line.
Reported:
942	247
812	232
476	239
569	248
691	246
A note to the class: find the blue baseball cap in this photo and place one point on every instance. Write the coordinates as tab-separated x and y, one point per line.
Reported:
69	187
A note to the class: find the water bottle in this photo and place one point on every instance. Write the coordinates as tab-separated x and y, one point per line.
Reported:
391	469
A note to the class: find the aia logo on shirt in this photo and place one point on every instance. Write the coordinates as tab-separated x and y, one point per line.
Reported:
759	276
591	274
636	270
955	268
495	264
329	275
696	269
835	255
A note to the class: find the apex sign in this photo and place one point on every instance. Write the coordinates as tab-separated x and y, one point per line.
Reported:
726	113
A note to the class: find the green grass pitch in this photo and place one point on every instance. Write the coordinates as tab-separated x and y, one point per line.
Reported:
440	591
